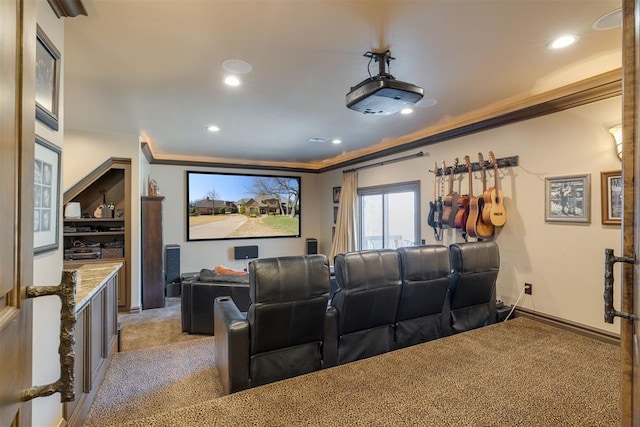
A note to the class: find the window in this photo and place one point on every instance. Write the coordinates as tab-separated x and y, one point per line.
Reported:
389	216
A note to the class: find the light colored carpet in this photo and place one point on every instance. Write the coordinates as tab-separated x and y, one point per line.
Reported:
518	373
159	369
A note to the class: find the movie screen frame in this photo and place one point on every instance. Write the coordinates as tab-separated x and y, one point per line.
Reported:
225	206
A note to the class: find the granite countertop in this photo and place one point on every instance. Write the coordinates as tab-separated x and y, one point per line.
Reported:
91	277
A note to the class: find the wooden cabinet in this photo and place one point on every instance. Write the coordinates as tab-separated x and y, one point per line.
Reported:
95	335
89	239
152	255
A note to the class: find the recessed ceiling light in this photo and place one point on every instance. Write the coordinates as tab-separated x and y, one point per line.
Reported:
608	21
319	139
337	141
562	41
232	81
406	111
237	66
213	128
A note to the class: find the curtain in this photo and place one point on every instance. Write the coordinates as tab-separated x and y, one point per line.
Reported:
345	236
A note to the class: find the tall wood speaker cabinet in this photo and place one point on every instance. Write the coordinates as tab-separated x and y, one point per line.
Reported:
152	262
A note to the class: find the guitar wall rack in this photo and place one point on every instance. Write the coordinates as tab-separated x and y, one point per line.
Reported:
503	162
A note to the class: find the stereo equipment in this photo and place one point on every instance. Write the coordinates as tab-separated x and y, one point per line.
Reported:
172	270
245	252
312	246
85	252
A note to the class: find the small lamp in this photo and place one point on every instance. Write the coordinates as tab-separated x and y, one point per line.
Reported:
616	131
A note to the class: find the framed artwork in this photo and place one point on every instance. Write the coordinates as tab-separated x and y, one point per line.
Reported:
47	80
611	197
335	214
567	199
336	194
46	196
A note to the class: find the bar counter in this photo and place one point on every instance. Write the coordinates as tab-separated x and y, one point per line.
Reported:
91	278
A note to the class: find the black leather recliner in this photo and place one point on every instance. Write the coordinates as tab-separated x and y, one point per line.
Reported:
423	312
283	333
197	301
472	287
366	303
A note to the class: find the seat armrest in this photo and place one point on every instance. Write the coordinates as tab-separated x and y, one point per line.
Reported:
185	306
231	345
330	345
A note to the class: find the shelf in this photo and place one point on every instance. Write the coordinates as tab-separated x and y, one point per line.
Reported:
96	233
94	220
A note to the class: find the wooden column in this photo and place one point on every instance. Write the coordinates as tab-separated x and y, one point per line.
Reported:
152	263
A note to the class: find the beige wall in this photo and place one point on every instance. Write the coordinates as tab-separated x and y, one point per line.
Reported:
47	267
207	254
83	153
564	262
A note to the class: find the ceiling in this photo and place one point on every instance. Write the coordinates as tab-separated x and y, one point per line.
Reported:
154	70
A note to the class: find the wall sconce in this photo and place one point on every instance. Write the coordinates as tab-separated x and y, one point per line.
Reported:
616	131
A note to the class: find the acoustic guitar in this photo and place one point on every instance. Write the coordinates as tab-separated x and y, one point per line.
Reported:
451	200
481	229
497	212
463	201
474	213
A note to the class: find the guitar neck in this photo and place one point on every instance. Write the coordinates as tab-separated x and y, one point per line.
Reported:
484	179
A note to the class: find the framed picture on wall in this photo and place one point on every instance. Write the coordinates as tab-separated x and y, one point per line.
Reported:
47	80
336	194
335	214
611	197
567	199
46	198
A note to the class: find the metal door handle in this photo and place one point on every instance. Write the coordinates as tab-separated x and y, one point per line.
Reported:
67	293
609	311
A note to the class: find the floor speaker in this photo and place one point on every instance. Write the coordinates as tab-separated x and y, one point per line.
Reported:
312	246
172	270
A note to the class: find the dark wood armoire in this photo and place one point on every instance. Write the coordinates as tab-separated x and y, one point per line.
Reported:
152	261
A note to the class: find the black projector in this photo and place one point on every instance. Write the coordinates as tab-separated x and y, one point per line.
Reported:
383	96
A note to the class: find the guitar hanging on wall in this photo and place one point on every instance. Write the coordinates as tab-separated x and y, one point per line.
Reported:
434	219
483	230
451	201
474	212
497	213
442	197
463	201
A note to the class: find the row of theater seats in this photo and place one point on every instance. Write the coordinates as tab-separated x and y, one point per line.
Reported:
386	299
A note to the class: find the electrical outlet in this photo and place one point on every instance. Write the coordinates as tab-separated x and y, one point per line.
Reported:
528	288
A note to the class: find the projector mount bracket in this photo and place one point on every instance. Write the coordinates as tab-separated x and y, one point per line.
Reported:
383	59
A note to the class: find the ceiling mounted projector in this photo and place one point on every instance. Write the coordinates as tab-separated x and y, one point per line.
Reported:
383	94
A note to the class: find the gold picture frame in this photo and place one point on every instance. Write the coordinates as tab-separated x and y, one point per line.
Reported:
611	187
